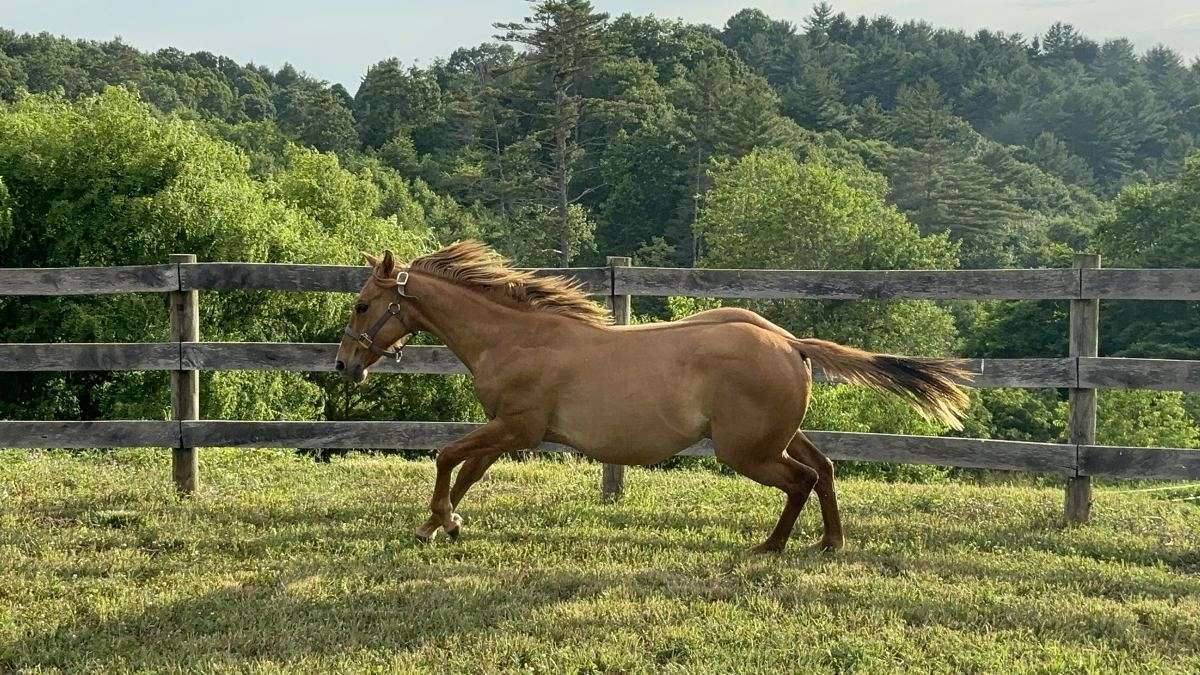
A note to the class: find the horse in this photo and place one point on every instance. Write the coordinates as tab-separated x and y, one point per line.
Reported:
548	365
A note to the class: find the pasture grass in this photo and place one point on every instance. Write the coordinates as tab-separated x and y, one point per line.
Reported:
281	564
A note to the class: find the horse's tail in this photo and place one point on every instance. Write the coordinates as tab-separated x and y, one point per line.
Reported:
929	385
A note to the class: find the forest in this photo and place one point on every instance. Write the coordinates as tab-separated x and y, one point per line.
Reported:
839	143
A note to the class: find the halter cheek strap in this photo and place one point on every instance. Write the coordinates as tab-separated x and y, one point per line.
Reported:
366	339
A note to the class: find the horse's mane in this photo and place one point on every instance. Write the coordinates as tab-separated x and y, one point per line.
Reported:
472	263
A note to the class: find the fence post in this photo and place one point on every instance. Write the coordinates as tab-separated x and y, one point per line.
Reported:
1085	336
612	481
185	384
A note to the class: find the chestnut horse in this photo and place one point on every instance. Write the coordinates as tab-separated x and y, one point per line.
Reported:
548	366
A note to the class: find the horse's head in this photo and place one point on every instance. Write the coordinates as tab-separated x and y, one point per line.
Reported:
379	320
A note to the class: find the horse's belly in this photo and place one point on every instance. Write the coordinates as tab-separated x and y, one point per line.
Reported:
642	437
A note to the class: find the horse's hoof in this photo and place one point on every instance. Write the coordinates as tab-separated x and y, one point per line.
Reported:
767	548
424	537
455	528
828	545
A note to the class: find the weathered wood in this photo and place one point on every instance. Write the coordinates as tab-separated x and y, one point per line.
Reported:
406	435
88	280
1021	373
612	476
336	278
1137	284
1047	458
1081	424
437	360
185	384
103	434
1119	462
1043	458
849	284
67	356
1132	284
315	357
399	435
311	357
1117	373
226	276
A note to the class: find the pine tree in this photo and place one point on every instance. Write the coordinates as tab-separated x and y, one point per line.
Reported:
817	26
566	42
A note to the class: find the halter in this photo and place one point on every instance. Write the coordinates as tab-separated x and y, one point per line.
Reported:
366	339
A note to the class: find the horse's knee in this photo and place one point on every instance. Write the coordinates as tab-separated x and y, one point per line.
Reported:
825	467
806	479
448	458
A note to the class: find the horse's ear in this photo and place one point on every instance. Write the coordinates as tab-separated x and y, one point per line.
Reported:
388	264
371	260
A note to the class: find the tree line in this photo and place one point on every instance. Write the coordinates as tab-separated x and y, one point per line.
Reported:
839	143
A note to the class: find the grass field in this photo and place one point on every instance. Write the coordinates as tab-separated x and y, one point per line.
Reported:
281	564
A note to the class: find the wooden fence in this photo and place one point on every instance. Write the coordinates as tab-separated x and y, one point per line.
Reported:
1082	371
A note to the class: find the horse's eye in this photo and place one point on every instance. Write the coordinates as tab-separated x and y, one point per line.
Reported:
360	308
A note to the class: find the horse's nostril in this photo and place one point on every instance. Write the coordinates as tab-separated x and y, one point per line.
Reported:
339	364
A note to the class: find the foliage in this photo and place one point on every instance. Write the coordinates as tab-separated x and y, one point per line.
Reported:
1038	415
1154	225
768	210
105	181
1145	419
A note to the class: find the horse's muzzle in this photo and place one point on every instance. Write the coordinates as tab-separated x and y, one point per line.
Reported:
351	373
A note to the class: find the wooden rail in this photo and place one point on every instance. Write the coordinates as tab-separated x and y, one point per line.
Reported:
1023	284
1082	372
1056	373
1042	458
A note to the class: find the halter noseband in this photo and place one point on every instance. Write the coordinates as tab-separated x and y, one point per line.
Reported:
366	339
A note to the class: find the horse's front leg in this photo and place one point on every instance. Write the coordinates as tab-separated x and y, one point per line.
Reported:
479	449
470	473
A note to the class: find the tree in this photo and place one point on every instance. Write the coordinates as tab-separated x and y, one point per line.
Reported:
1053	156
766	210
566	40
1145	419
315	117
724	112
1154	225
392	101
940	183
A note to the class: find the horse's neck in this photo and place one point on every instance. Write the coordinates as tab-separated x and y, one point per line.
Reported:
466	320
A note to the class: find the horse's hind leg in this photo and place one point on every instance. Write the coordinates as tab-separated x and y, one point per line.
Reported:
797	481
777	469
802	449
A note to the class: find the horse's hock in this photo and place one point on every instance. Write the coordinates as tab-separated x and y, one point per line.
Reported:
1082	372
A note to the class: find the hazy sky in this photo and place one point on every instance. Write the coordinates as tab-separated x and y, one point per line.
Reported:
337	41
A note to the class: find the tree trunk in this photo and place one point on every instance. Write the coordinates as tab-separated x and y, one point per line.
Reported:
562	174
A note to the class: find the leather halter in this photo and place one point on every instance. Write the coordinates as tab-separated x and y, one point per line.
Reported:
366	339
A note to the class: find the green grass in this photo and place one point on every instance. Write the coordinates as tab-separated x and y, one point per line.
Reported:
281	564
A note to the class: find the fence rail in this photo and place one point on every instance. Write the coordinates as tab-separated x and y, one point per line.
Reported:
1005	284
1082	372
1034	373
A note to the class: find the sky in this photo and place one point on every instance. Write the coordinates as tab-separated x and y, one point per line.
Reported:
338	41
